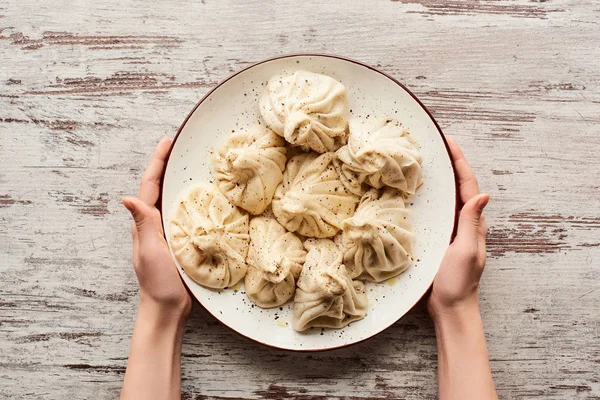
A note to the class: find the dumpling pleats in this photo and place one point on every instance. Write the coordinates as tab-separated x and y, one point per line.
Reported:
275	259
311	200
249	167
326	297
309	110
209	237
377	241
380	152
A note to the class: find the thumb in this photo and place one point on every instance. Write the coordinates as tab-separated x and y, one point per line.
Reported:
470	217
139	210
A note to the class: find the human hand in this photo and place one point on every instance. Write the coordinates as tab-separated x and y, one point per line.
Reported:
457	281
162	292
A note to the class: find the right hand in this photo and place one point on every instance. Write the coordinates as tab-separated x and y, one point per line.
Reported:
457	281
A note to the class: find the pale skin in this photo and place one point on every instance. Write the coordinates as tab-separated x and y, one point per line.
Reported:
154	365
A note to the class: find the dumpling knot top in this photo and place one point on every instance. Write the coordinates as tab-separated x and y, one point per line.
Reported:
275	260
311	200
249	167
309	110
209	237
377	241
326	297
380	152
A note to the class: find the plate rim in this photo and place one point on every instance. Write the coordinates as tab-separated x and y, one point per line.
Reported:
159	202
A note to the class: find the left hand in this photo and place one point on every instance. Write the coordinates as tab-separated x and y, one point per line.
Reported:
161	288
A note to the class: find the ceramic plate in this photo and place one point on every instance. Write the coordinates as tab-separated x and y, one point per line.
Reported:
234	104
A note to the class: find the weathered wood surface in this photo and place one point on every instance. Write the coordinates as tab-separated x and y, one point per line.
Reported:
87	88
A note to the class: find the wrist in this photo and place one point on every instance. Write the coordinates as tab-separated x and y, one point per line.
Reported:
457	312
161	316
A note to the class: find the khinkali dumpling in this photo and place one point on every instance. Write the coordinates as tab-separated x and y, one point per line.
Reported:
309	110
311	200
380	152
377	241
209	237
249	167
326	296
275	259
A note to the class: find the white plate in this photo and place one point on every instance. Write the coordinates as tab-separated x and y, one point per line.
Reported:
234	103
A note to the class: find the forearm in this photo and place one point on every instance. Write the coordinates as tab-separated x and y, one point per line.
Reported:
154	365
463	366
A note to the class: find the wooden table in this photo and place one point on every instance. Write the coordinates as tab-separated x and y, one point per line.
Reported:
88	88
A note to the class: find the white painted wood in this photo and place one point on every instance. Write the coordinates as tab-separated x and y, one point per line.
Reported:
87	89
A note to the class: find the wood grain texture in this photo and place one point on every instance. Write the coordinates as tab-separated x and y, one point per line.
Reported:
87	89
